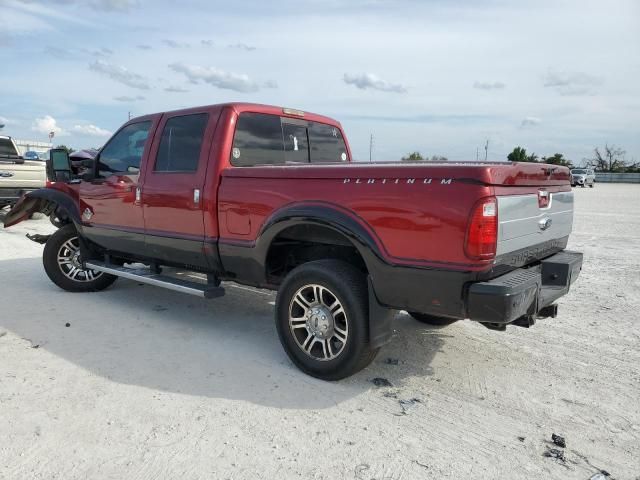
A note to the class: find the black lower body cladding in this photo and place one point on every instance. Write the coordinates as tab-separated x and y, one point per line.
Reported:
525	291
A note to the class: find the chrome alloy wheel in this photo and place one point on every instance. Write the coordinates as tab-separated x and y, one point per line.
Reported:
318	322
70	264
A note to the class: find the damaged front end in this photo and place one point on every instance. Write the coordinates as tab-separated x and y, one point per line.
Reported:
59	205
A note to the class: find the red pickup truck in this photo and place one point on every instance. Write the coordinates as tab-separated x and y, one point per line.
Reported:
269	197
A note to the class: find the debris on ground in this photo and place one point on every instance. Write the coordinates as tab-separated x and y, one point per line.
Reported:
522	439
391	361
407	404
67	324
2	334
599	476
159	308
381	382
556	454
390	394
558	440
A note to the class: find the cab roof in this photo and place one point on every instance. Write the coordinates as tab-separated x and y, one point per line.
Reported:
240	107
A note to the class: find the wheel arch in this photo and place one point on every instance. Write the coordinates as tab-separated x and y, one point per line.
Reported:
48	201
312	224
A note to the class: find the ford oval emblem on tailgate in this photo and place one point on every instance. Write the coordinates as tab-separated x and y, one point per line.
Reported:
545	223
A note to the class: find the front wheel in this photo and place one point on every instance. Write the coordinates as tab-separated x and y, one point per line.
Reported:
62	263
322	319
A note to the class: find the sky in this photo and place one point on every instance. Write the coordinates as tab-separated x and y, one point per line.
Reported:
441	77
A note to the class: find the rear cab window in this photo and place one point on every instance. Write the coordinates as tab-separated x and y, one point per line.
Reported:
7	147
265	139
181	142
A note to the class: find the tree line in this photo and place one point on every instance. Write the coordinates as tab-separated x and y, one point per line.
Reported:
607	159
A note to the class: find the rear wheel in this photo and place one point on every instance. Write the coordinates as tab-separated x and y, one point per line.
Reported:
432	319
61	259
322	319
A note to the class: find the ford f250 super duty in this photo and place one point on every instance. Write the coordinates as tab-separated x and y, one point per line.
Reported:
269	197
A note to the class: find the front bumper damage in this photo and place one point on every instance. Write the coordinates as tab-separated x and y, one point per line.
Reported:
523	295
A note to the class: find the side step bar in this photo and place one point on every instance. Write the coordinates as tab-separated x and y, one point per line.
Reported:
144	275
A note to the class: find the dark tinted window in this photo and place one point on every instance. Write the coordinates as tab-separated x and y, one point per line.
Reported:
6	147
181	143
296	143
327	144
124	151
258	140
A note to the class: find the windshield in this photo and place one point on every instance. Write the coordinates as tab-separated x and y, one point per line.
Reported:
6	147
579	172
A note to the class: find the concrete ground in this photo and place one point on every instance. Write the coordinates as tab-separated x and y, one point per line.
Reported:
146	383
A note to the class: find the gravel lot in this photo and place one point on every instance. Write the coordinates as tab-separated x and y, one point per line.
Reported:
147	383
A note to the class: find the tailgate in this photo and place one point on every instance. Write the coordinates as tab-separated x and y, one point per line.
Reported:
532	227
29	175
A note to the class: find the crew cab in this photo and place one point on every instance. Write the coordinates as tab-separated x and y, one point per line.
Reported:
17	174
269	197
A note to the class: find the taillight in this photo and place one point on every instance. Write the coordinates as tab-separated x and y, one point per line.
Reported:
482	233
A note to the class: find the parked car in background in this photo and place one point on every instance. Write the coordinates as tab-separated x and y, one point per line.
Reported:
583	177
17	174
31	155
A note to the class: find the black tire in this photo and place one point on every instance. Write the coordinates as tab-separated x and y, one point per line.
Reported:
345	284
59	274
432	319
591	186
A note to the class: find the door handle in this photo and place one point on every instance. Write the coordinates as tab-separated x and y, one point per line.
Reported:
138	194
196	196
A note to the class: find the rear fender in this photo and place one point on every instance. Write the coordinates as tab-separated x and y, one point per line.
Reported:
47	201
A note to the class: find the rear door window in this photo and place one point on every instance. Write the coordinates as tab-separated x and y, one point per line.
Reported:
257	141
327	144
181	142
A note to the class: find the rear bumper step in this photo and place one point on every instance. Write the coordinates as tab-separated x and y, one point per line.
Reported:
525	293
145	275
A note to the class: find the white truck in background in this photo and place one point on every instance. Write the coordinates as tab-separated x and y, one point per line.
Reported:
17	175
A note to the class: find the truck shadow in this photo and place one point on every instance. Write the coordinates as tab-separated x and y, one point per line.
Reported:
228	348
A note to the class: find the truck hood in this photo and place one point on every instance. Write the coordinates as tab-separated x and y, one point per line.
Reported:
488	173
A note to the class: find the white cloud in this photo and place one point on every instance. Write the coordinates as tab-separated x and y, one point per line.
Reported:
238	82
125	98
174	44
243	46
489	85
90	130
173	89
120	74
530	122
572	83
364	81
47	124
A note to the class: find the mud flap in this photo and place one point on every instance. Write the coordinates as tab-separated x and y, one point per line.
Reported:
380	319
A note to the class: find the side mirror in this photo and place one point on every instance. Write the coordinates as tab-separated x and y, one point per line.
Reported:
59	165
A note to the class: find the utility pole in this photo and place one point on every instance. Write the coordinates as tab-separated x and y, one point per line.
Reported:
486	150
477	153
370	147
129	115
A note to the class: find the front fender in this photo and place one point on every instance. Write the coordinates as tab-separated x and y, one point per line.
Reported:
46	200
